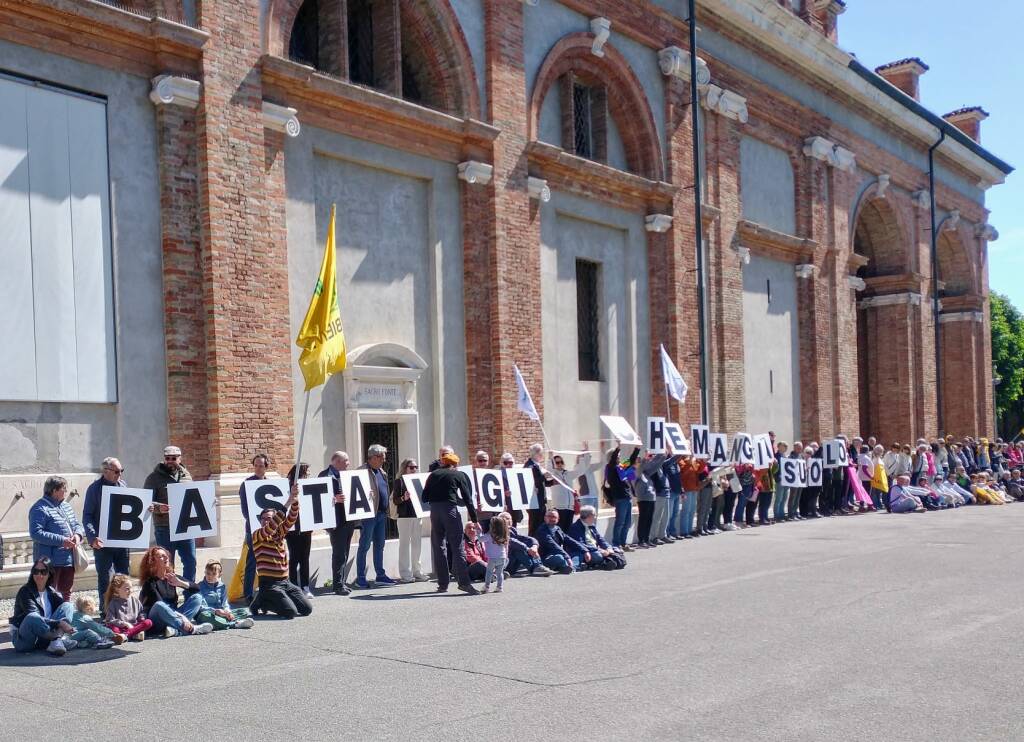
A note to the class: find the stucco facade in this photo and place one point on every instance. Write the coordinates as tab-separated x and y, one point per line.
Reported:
477	151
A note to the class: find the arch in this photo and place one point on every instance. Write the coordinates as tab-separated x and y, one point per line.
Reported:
435	33
627	102
955	267
879	236
383	354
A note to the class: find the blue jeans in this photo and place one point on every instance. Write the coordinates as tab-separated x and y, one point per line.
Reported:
249	579
781	496
557	562
185	549
108	558
741	502
162	615
522	560
623	520
689	509
674	508
29	635
596	560
372	529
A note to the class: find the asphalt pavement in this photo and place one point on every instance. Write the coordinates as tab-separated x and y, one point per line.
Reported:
874	627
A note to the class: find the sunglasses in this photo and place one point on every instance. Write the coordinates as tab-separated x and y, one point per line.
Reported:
414	466
115	470
559	462
482	460
38	571
171	458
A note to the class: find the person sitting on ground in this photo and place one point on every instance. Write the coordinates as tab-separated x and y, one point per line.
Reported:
602	554
523	552
560	552
215	593
1011	486
42	618
985	494
952	484
124	613
276	594
88	631
159	596
900	498
476	554
948	493
929	499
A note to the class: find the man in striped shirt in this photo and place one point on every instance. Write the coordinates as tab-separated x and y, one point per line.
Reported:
276	594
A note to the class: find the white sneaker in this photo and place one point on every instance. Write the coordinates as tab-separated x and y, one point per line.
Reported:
421	578
243	623
69	644
56	648
201	628
308	593
170	632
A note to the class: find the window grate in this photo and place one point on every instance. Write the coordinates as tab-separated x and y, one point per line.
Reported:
360	42
588	337
583	121
304	45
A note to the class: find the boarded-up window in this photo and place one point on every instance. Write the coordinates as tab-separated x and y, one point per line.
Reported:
56	286
766	186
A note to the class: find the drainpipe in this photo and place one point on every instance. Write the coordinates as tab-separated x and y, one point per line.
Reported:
698	190
935	281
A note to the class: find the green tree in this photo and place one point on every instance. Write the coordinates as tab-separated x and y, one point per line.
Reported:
1008	363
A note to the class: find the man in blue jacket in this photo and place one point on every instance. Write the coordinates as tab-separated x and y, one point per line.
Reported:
602	554
107	557
559	551
523	552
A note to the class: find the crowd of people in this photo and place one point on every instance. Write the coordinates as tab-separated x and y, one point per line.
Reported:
677	497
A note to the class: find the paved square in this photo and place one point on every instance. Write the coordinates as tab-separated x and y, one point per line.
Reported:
861	628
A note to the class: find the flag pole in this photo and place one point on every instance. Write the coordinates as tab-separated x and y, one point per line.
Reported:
302	436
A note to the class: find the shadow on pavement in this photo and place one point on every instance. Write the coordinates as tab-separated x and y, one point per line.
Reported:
39	658
408	596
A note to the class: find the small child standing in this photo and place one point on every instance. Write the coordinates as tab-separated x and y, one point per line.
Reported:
215	593
88	631
496	546
125	615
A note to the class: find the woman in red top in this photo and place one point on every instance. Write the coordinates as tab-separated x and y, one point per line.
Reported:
476	555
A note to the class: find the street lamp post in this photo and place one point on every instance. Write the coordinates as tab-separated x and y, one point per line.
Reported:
996	381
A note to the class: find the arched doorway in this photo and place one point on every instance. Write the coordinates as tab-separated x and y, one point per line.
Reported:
885	387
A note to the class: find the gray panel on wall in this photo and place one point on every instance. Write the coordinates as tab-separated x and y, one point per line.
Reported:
551	118
471	17
771	348
767	186
573	228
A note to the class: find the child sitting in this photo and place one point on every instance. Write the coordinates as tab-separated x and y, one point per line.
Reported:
125	615
88	631
215	593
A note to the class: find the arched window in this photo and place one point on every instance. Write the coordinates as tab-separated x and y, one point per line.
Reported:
413	49
304	44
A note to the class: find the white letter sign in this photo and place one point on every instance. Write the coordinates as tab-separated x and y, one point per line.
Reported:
316	504
836	455
763	455
125	520
814	471
414	484
742	449
719	451
789	473
490	489
622	430
656	434
699	438
520	486
193	510
676	439
261	494
359	504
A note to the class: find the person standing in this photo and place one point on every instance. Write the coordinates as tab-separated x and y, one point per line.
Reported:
446	488
564	495
56	533
671	469
618	491
341	534
260	464
375	529
541	481
410	527
299	542
170	471
107	558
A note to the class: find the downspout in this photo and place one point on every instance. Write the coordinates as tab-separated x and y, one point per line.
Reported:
935	282
698	192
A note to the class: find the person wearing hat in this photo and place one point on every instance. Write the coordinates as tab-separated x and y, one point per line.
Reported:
446	489
170	471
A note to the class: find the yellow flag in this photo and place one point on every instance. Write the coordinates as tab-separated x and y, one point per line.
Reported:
321	336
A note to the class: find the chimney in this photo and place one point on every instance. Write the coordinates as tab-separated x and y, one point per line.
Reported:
904	74
968	120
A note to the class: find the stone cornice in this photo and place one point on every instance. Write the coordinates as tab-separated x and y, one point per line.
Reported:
567	172
961	317
337	105
775	245
675	62
538	188
725	103
887	300
658	223
102	34
602	29
476	173
281	118
175	91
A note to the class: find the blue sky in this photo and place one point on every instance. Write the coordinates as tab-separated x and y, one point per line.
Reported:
973	52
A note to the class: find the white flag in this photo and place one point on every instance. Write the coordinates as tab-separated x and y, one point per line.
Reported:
673	379
524	402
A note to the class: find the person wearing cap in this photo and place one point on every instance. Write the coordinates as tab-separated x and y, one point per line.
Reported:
107	557
446	489
170	471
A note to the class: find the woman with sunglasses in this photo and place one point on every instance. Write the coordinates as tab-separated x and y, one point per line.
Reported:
42	618
410	527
